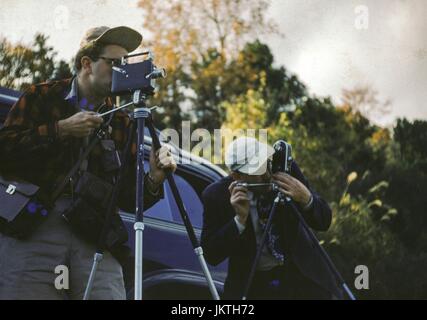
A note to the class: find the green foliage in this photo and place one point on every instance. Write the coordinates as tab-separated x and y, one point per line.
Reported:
329	142
360	237
216	79
21	65
247	112
171	100
412	140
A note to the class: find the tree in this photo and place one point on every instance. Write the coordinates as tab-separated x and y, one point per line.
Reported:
407	175
364	100
330	142
412	140
210	82
182	30
22	65
357	237
253	69
196	41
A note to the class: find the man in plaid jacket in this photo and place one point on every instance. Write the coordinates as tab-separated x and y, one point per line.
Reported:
39	143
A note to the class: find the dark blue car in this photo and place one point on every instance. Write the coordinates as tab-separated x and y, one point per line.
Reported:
171	268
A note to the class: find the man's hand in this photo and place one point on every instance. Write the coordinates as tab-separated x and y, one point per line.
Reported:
161	163
79	125
292	187
239	201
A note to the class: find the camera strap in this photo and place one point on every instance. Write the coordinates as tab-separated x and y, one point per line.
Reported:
99	134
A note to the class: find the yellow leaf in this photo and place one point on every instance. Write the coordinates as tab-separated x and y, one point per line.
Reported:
351	177
392	212
376	202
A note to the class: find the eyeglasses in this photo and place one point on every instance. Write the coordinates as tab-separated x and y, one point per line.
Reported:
110	60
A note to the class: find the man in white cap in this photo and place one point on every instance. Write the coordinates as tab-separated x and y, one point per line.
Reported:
234	220
43	136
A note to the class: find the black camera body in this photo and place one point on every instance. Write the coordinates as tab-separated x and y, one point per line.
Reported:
257	187
129	77
282	157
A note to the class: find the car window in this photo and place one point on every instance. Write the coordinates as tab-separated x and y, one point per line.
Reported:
190	188
192	202
161	210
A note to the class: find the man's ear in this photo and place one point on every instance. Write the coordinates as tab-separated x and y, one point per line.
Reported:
86	64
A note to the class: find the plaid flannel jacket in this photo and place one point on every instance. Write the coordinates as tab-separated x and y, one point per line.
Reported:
31	149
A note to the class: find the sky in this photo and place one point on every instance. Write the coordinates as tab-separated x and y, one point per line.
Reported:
330	45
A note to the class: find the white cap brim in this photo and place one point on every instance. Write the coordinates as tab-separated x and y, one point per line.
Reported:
257	166
248	156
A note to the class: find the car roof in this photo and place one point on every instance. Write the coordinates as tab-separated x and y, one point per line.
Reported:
7	98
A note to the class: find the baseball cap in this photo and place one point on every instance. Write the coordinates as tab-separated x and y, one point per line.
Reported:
123	36
248	155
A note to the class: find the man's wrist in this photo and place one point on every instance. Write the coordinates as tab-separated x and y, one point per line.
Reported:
61	126
242	219
241	225
309	203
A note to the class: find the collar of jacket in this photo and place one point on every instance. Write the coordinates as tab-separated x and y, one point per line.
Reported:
81	104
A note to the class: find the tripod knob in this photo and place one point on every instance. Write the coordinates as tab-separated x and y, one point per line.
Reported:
156	73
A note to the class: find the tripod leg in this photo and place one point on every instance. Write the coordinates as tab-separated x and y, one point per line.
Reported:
140	115
212	288
139	230
96	260
184	216
322	251
261	245
348	291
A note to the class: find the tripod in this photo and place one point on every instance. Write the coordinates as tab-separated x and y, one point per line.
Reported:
285	160
281	199
141	118
278	200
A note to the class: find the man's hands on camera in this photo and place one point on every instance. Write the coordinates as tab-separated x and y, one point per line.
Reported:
79	125
239	201
161	163
292	187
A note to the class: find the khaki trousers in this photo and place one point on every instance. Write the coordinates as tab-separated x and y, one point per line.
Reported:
27	268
